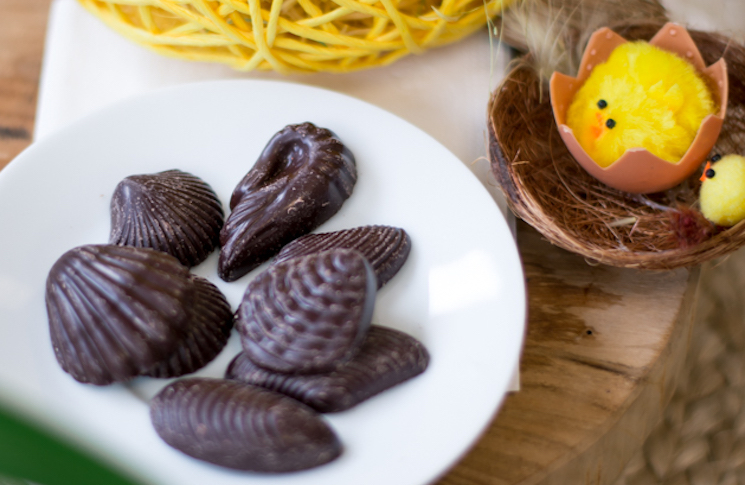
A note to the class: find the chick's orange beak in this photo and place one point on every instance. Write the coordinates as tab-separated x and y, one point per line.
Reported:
597	130
706	169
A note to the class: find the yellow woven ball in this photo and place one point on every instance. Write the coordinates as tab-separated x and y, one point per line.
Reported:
291	36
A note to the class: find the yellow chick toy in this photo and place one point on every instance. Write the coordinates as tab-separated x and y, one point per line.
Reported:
641	97
722	195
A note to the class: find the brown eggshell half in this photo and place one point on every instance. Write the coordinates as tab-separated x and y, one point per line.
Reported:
637	170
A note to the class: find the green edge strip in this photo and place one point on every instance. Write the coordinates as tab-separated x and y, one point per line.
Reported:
27	452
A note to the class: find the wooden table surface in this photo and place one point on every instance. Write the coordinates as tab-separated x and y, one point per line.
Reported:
603	349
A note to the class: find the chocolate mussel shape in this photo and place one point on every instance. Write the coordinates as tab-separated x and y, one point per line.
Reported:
385	247
301	179
308	314
116	312
240	426
172	211
387	358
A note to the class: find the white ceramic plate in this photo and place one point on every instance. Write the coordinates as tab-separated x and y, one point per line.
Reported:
461	292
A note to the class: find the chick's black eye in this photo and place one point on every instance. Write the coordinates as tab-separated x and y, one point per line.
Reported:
610	123
710	173
602	104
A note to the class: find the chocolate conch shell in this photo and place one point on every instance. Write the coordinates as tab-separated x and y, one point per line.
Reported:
637	170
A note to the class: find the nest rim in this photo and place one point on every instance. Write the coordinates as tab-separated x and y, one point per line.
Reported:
540	206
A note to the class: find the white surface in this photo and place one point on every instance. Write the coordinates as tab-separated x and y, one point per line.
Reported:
461	292
723	16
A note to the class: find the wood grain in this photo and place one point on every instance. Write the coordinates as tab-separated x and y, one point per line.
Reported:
22	25
603	348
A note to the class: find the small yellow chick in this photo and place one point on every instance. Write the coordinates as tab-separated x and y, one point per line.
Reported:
722	195
641	97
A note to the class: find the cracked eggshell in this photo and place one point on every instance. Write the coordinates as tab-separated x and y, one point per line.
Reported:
637	170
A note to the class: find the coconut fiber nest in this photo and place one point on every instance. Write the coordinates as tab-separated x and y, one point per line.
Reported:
547	188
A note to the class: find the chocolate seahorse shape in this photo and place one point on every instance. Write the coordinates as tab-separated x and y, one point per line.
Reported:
387	358
240	426
301	179
385	247
116	312
172	211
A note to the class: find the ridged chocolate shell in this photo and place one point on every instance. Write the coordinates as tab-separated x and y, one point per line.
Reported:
206	336
239	426
301	179
385	247
116	311
387	358
172	211
308	314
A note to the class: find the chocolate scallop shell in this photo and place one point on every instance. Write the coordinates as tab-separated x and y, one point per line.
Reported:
308	314
172	211
115	311
301	179
385	247
239	426
207	334
387	358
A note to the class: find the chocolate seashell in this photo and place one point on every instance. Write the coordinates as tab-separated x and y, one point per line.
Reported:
387	358
207	335
301	179
239	426
385	247
172	211
308	314
116	312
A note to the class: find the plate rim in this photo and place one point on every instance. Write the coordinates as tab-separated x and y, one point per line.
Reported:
112	109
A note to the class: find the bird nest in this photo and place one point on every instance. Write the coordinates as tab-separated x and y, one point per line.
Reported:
292	36
547	188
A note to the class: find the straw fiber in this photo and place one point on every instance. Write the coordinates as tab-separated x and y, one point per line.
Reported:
546	187
291	36
555	31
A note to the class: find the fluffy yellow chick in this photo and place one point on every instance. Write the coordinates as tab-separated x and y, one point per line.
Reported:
641	97
722	195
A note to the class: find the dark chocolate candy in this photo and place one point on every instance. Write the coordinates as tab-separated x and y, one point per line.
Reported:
206	336
239	426
387	358
116	312
308	314
301	179
385	247
172	211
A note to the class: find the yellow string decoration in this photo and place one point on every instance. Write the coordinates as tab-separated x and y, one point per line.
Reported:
294	36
